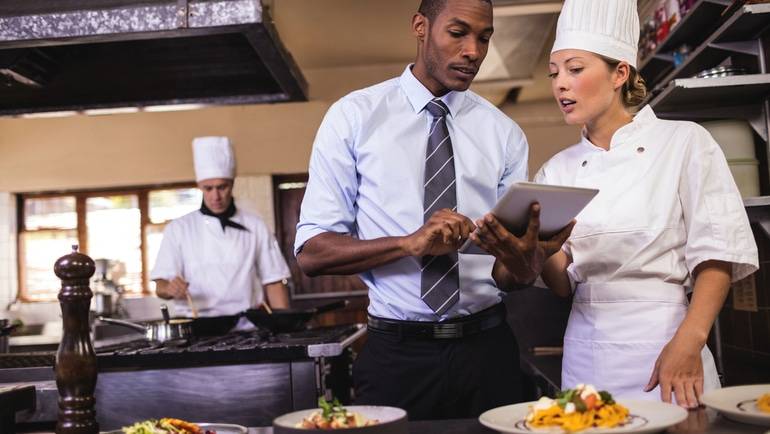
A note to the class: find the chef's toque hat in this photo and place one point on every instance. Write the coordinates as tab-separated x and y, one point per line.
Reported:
213	158
606	27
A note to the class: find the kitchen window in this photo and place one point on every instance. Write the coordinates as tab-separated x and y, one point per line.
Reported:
123	226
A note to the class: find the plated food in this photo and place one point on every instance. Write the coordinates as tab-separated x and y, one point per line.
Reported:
332	415
353	419
584	409
763	403
578	409
165	425
749	404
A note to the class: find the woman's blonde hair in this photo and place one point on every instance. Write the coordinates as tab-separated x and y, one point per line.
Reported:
634	90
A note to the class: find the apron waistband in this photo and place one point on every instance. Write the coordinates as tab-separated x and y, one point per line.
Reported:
614	292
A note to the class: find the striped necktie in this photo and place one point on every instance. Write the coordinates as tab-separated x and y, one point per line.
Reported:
440	287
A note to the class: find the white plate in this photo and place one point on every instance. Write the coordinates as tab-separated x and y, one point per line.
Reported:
646	417
390	420
739	403
220	428
224	428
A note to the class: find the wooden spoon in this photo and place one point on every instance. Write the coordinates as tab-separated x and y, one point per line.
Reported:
192	305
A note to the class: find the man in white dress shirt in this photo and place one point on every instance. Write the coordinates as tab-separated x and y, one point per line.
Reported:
225	258
397	172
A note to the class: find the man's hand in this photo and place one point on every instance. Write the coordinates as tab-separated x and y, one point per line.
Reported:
443	233
523	256
176	289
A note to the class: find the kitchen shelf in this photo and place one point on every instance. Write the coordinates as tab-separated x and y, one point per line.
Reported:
693	29
693	93
745	24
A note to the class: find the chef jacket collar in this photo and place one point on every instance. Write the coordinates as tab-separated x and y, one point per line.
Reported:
224	217
643	118
419	95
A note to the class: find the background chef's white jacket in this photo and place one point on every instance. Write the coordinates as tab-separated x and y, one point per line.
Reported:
224	269
667	202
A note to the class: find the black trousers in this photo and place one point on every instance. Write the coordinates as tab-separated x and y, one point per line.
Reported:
439	378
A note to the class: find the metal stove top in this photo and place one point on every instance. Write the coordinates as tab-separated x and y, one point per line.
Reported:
237	347
254	345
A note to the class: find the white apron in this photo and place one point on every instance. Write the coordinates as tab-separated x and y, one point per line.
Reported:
616	332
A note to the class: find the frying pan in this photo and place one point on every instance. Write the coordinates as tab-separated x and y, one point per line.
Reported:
177	330
289	320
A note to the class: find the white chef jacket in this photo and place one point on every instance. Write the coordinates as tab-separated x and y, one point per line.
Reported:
224	269
667	202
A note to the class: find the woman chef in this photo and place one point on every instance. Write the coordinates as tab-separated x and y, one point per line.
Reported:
219	254
668	219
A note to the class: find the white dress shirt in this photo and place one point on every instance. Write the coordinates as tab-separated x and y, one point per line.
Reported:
366	179
224	269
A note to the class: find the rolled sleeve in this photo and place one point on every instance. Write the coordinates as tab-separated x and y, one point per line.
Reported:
715	218
329	202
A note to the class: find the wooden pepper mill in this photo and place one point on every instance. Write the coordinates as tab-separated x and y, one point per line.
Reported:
75	359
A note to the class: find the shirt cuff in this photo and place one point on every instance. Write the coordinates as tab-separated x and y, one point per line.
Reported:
304	235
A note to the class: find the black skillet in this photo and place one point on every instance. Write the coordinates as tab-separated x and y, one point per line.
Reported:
289	320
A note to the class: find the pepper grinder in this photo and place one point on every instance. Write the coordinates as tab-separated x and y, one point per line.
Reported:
75	359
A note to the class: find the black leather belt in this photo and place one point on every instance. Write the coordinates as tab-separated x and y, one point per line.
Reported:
450	329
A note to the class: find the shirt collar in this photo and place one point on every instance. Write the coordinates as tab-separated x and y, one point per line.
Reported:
643	118
419	95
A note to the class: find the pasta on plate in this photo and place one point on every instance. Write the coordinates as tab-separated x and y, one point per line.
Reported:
578	409
763	403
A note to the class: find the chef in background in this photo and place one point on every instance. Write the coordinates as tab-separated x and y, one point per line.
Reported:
225	258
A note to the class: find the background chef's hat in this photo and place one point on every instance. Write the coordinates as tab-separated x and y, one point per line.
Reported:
606	27
213	158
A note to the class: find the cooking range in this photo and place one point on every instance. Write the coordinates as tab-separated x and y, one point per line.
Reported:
244	346
244	377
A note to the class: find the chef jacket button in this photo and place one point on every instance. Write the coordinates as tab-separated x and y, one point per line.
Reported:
585	163
640	149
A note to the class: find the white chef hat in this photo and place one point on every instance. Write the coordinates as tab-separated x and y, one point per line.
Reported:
606	27
213	158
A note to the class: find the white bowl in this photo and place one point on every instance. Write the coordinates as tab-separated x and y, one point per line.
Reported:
392	420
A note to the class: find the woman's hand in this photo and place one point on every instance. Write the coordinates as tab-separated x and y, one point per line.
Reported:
679	369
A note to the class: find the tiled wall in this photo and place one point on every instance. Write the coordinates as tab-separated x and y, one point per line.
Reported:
255	193
746	333
8	281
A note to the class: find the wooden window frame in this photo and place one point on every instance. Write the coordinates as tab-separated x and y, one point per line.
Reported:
142	193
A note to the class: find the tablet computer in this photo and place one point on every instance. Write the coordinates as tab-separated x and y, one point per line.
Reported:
558	206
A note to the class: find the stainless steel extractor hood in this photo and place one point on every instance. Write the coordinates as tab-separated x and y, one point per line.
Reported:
93	54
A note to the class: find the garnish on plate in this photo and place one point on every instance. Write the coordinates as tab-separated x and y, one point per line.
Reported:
332	415
165	425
